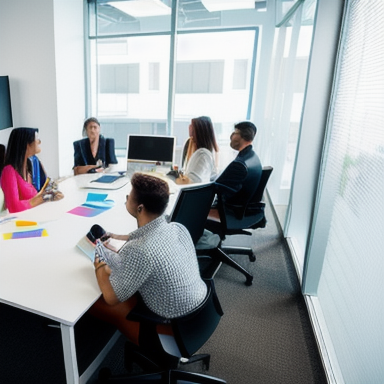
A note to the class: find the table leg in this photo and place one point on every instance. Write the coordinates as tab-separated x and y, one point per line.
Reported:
70	359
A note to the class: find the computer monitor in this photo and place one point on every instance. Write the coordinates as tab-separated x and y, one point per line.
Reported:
5	104
150	152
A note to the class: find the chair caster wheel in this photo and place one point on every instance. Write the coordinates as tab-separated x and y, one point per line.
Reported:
249	280
252	258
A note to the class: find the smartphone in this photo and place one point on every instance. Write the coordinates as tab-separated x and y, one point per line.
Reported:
96	232
105	237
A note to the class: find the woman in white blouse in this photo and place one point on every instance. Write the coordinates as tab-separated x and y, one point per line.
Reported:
200	160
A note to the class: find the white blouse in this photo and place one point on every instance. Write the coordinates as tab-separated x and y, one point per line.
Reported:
201	166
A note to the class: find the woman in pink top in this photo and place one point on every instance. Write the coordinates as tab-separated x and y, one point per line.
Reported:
16	177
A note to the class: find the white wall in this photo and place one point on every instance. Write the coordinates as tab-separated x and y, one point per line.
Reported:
41	50
70	83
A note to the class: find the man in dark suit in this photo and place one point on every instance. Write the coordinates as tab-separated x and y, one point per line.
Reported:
238	182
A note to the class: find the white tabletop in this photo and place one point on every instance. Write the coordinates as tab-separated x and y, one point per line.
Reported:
49	275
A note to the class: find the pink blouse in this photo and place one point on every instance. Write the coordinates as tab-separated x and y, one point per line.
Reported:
17	192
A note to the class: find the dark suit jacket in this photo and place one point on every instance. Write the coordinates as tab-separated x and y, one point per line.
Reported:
238	182
105	152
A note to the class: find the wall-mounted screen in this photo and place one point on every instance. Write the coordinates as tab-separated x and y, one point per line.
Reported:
5	104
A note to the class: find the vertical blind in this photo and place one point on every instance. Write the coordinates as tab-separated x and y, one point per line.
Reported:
349	221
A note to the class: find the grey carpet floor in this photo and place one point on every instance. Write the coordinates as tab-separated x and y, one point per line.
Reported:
265	335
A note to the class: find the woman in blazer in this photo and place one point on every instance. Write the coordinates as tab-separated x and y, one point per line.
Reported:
94	152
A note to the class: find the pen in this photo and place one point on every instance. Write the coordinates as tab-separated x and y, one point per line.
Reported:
6	219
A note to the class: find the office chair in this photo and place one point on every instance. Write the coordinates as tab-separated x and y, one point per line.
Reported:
2	162
251	217
191	209
160	355
2	157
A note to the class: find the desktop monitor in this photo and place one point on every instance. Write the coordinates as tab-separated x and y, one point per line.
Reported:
150	152
5	104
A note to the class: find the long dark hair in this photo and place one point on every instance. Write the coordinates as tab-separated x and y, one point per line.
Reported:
204	134
17	147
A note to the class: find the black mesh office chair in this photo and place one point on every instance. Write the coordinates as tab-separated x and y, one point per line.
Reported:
191	209
2	157
252	216
160	355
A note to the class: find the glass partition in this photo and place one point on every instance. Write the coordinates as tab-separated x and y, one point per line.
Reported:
284	102
151	72
152	69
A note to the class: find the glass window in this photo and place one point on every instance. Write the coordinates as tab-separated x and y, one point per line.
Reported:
240	68
137	85
154	76
129	87
209	64
345	265
284	103
116	18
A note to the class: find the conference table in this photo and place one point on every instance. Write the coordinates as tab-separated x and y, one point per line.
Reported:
49	275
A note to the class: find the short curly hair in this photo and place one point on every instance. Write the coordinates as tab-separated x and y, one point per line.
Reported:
150	191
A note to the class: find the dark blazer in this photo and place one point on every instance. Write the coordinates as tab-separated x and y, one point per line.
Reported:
105	152
238	182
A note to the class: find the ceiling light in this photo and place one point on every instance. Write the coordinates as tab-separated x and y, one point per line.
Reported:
225	5
142	8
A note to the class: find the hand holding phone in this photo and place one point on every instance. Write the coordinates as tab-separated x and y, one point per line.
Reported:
105	237
100	252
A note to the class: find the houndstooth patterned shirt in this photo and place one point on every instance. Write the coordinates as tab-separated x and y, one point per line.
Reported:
159	261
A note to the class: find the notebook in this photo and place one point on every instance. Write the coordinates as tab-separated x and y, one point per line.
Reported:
107	179
108	182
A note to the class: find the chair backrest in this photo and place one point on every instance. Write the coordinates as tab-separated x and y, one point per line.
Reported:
265	174
251	214
192	208
192	331
2	157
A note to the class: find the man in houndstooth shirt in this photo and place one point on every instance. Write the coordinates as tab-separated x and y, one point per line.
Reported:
157	264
